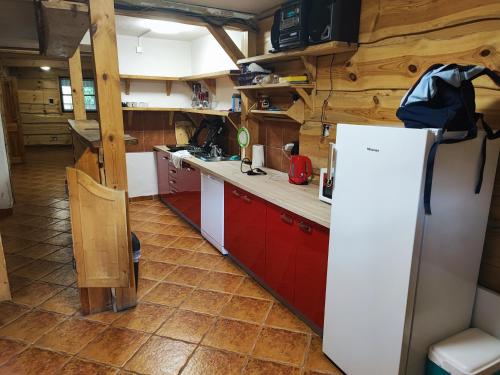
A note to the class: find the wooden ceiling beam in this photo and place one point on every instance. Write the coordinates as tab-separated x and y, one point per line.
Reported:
61	26
226	43
33	63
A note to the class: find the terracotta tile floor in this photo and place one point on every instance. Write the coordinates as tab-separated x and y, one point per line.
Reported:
198	313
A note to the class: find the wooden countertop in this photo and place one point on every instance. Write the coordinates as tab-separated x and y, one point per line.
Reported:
273	187
88	131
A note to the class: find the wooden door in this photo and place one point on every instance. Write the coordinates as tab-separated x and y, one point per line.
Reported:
15	138
100	235
4	280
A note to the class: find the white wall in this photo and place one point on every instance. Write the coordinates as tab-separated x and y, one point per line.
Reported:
141	174
208	56
153	93
6	200
160	57
487	312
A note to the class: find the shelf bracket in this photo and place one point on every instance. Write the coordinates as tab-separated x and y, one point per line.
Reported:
211	85
305	97
310	63
168	87
230	119
127	86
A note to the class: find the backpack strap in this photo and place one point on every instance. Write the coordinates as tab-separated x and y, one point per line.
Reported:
494	76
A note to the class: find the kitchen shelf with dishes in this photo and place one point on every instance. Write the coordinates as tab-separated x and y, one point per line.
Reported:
208	78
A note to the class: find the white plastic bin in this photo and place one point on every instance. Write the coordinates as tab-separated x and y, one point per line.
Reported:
471	352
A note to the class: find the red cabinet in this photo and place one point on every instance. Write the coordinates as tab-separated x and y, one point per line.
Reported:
311	244
296	261
245	228
180	188
280	252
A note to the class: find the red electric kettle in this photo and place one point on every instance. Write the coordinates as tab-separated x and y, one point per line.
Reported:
300	172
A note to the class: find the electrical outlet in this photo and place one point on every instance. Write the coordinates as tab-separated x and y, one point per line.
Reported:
326	130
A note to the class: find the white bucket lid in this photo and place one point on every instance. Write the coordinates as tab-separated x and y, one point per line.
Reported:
471	352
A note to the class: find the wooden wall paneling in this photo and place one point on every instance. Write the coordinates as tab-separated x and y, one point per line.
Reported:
4	279
383	19
75	73
105	56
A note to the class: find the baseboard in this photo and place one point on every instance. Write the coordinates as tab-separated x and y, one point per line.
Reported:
144	198
4	212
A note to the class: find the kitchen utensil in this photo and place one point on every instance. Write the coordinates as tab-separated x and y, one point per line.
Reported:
300	172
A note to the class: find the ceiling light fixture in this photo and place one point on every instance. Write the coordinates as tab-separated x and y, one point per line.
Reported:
45	68
166	27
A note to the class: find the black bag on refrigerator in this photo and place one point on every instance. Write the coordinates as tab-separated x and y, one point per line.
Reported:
444	98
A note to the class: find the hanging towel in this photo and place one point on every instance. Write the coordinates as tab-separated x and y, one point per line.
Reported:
178	156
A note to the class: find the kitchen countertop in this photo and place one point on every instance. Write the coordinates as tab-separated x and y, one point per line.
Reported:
273	187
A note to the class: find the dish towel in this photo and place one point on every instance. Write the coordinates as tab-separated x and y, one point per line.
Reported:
178	156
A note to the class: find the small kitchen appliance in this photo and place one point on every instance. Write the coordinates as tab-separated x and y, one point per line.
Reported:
300	172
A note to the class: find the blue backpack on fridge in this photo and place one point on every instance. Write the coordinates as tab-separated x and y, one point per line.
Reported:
444	98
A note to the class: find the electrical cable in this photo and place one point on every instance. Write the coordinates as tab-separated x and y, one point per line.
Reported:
325	102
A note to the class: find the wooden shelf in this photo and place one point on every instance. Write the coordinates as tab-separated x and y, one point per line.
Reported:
328	48
207	78
277	86
233	117
303	90
295	113
89	132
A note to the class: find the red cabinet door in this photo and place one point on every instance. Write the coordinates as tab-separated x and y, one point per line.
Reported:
281	251
311	267
245	228
191	192
162	170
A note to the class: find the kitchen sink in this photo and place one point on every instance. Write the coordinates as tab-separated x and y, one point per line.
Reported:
211	158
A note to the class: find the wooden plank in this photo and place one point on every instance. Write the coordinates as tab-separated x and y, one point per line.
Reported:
39	118
34	63
249	44
100	237
147	78
88	131
226	42
4	279
39	108
45	96
30	129
47	139
382	19
75	74
397	63
315	50
64	23
105	56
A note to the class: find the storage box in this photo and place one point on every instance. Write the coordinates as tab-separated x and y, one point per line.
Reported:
471	352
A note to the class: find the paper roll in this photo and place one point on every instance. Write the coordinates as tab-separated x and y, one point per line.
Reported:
257	156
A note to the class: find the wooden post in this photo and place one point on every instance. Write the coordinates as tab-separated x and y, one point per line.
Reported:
105	57
75	75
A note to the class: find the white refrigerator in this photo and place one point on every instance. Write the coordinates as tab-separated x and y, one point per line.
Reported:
400	280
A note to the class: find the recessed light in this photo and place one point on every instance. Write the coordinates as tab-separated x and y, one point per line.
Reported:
45	68
166	27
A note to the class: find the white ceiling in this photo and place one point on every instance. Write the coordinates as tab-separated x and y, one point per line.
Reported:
133	26
247	6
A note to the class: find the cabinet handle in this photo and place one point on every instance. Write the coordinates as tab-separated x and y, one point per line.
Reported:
286	218
173	171
305	228
165	157
189	169
236	194
172	182
247	199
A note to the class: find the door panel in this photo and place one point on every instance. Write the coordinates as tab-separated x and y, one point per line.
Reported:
280	251
4	280
311	269
100	235
15	139
162	171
